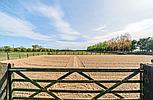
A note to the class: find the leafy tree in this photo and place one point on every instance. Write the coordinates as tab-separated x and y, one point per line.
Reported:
142	43
133	45
16	50
36	48
150	45
120	43
7	48
1	49
29	49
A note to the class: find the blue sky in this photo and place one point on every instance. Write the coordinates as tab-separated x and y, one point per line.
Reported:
73	24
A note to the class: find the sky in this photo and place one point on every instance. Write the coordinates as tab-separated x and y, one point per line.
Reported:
72	24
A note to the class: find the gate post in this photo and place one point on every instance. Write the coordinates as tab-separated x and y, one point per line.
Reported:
9	82
148	81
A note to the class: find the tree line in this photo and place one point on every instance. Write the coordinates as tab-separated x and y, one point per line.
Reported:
34	48
124	43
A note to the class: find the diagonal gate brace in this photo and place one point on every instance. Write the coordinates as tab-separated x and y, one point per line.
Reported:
99	84
37	85
49	85
114	86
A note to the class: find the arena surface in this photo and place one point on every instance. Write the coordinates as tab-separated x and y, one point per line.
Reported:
81	61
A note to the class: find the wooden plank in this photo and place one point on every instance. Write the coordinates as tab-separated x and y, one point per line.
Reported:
141	84
5	98
77	91
2	81
3	91
96	91
7	84
78	81
29	98
72	70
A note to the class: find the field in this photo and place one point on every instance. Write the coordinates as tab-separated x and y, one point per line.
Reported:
81	61
19	55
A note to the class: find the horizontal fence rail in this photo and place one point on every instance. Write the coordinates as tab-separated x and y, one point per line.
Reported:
72	70
79	91
79	81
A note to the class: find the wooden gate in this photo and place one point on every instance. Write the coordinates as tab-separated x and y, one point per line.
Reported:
8	90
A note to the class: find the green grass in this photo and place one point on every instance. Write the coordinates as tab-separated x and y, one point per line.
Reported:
3	56
18	55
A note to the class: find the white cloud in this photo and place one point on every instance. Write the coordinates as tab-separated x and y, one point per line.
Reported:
100	28
72	45
12	26
140	5
55	15
141	29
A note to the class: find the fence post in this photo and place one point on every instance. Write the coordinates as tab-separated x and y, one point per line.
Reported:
141	83
148	81
19	56
8	57
27	55
7	91
9	82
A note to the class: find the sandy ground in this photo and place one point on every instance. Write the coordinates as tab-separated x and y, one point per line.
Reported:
81	61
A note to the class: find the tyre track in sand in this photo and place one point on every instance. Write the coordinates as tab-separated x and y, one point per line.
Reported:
75	62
